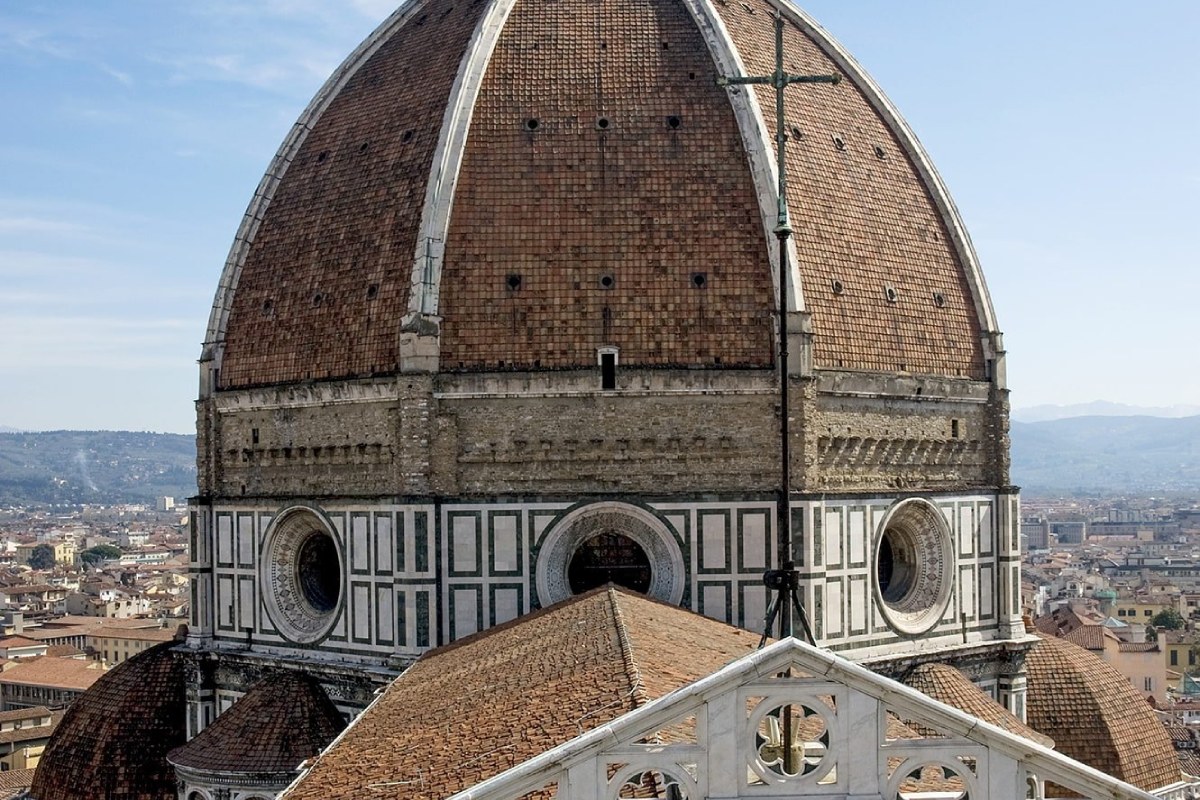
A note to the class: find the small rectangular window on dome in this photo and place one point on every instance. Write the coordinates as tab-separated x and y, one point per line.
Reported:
607	357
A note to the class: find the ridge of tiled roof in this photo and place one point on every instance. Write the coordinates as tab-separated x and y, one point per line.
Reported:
472	709
944	683
287	716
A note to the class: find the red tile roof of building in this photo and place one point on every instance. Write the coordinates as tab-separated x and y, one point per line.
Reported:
56	673
472	709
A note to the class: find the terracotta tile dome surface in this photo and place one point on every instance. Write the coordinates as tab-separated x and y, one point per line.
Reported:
113	740
606	196
1095	716
288	718
944	683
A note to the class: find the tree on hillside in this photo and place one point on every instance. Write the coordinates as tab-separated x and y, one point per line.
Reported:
42	557
1168	618
101	552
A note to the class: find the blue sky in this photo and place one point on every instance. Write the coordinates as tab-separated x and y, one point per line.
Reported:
136	130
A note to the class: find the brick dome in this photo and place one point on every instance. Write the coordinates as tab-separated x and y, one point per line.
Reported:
113	741
522	183
1095	716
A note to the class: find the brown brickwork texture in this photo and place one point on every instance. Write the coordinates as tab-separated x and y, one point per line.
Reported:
285	719
861	219
326	281
566	204
113	741
1095	716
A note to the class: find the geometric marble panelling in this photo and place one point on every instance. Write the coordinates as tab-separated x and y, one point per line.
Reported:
224	540
360	541
833	531
225	602
384	544
834	608
966	529
506	603
385	614
966	592
246	602
987	580
463	543
466	610
504	540
986	529
752	605
857	535
859	598
714	599
245	541
754	548
361	609
713	542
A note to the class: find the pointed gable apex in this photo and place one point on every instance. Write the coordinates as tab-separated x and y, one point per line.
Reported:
850	750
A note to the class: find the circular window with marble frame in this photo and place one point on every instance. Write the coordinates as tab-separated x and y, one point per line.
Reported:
668	573
913	566
301	572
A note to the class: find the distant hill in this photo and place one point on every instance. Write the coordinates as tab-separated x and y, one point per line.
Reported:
95	467
1103	453
1100	408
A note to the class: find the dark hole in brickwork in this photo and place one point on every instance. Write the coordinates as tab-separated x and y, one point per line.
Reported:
513	282
837	286
691	76
322	156
879	152
407	136
531	124
254	435
364	147
421	19
607	281
673	122
602	123
953	429
318	299
268	306
797	133
839	143
939	299
666	45
372	291
890	294
699	279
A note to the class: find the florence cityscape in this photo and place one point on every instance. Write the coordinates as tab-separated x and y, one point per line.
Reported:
600	399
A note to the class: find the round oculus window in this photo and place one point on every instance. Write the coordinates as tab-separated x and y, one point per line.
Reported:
605	542
302	575
914	558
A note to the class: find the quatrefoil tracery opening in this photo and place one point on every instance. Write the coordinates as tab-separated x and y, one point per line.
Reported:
792	740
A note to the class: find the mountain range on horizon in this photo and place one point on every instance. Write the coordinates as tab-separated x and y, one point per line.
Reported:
1047	412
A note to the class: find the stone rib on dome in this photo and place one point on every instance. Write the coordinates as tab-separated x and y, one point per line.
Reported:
288	718
113	740
1095	716
603	196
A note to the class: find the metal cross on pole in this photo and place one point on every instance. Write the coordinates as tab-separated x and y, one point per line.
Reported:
784	582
